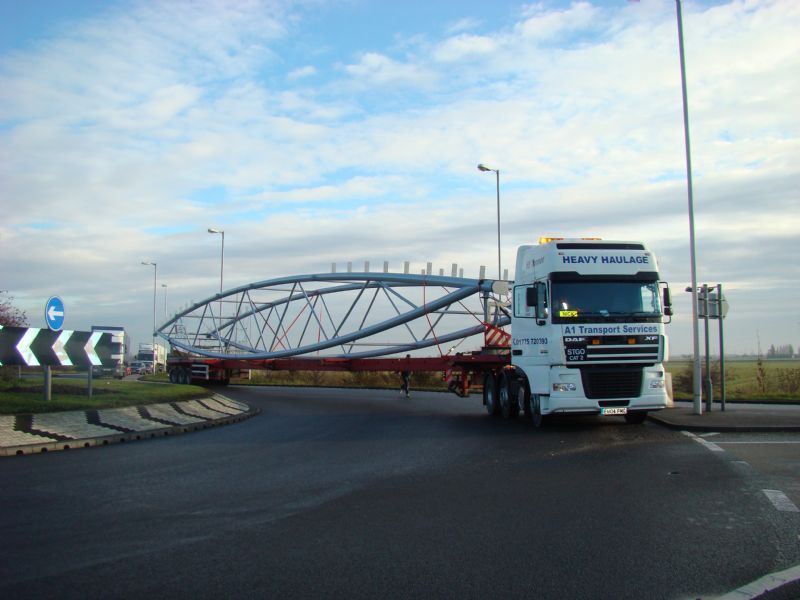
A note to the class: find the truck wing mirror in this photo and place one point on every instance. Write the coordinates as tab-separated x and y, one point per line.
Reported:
530	296
667	301
542	311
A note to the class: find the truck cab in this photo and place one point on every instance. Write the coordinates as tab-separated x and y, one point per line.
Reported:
588	331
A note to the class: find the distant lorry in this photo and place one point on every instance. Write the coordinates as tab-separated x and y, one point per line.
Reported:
119	350
152	356
587	338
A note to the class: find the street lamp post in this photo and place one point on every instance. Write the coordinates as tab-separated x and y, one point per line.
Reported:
221	266
155	278
164	285
482	167
222	253
698	404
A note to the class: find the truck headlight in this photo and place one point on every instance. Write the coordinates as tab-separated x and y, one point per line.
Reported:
656	384
564	387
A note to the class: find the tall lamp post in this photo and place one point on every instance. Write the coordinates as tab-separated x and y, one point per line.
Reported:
221	254
155	278
698	404
482	167
221	265
164	285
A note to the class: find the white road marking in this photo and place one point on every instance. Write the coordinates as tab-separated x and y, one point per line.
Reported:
765	584
764	442
709	445
710	434
781	501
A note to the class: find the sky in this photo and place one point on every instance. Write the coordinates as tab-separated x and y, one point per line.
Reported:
321	131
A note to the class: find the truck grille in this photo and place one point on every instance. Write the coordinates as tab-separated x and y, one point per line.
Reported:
612	349
612	383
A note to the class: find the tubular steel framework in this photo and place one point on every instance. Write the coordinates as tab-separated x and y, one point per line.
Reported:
338	315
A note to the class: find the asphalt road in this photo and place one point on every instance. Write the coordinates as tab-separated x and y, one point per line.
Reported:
355	494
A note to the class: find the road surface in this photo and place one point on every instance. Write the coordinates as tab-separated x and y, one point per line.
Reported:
363	494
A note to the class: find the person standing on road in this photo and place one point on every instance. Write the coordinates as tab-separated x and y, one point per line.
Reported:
405	378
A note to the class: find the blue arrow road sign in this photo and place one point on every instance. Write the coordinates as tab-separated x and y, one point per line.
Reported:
54	313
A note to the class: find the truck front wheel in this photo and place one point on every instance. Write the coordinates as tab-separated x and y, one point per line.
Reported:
524	397
490	399
537	418
507	392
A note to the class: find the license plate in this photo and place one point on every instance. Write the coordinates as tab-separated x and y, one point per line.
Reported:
614	411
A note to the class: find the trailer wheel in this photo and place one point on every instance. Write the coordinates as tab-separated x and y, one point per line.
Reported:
181	376
537	418
506	390
490	399
636	418
173	375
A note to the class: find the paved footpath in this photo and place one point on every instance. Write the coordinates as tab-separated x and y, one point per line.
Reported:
737	416
28	434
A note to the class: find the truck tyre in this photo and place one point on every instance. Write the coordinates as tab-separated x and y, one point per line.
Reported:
537	418
173	375
507	393
524	397
636	418
181	376
490	399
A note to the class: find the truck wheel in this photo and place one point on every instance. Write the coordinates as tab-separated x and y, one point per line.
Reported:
537	418
636	418
173	375
508	396
181	376
524	398
490	394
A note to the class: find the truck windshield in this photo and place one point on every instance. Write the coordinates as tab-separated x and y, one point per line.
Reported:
605	301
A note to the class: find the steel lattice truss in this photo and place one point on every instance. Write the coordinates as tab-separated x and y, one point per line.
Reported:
346	315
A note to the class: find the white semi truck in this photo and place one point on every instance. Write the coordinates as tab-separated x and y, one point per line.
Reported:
587	332
153	357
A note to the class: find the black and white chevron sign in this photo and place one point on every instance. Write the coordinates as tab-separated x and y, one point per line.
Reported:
31	347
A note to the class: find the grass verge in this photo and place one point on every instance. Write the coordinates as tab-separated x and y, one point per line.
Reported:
26	396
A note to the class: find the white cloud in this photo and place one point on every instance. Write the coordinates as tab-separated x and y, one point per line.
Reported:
302	72
543	24
110	133
377	69
461	25
464	46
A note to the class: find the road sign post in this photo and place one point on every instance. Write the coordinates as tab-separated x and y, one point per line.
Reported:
54	317
711	304
48	383
721	311
709	393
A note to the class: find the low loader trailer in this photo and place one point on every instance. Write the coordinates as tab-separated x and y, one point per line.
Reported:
587	337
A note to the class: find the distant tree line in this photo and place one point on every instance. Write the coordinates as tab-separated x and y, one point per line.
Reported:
783	351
